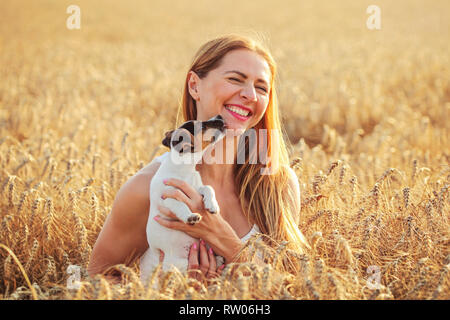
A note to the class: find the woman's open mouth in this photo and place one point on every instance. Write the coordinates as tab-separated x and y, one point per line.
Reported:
239	113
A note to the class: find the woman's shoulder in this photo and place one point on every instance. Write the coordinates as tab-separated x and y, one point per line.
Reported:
150	169
138	186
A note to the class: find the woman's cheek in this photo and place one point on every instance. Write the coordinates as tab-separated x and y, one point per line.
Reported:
260	115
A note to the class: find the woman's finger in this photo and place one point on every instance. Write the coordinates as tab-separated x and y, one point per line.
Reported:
193	261
176	194
204	259
167	212
212	264
185	187
220	269
175	225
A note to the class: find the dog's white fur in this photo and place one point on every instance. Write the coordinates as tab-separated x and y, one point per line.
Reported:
175	244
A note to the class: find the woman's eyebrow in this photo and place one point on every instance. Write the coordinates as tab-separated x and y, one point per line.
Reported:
245	76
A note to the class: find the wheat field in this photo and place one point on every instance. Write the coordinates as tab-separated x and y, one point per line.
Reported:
366	112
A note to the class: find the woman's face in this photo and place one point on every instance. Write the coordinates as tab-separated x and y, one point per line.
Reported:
238	90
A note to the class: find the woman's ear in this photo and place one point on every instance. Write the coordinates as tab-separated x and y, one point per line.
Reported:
167	139
193	85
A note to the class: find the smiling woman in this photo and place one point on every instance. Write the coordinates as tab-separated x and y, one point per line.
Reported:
232	76
233	72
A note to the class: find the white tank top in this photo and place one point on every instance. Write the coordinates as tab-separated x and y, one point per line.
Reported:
252	231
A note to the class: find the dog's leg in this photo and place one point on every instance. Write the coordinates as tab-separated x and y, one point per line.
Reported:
181	210
209	199
149	261
220	261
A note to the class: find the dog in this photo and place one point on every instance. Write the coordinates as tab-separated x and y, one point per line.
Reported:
187	145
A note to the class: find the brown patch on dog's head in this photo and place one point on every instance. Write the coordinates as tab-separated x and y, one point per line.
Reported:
181	139
168	137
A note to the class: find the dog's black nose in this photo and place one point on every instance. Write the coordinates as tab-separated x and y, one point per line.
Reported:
215	122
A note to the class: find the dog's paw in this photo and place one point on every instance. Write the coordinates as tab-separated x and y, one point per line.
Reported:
209	199
193	219
211	205
220	261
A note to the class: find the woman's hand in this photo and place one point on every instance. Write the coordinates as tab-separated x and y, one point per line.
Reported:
212	228
201	262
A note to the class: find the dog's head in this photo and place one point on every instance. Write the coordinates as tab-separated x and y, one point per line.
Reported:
195	136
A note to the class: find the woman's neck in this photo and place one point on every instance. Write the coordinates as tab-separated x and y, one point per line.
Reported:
217	174
218	164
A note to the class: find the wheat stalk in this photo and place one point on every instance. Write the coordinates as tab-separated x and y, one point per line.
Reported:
33	291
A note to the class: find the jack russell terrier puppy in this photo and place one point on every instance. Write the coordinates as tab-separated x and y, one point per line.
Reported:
187	145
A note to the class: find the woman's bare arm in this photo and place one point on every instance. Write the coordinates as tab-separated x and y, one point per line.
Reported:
123	236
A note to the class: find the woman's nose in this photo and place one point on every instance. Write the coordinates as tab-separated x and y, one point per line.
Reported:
249	93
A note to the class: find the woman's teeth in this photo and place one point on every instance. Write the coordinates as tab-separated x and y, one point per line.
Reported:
237	110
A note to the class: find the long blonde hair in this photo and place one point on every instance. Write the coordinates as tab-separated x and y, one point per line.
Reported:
266	200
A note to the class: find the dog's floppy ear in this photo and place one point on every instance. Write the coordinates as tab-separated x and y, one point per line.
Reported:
167	139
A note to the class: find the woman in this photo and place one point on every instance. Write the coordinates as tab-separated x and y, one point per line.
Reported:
230	76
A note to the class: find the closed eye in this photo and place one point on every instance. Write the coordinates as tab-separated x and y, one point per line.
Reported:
262	88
